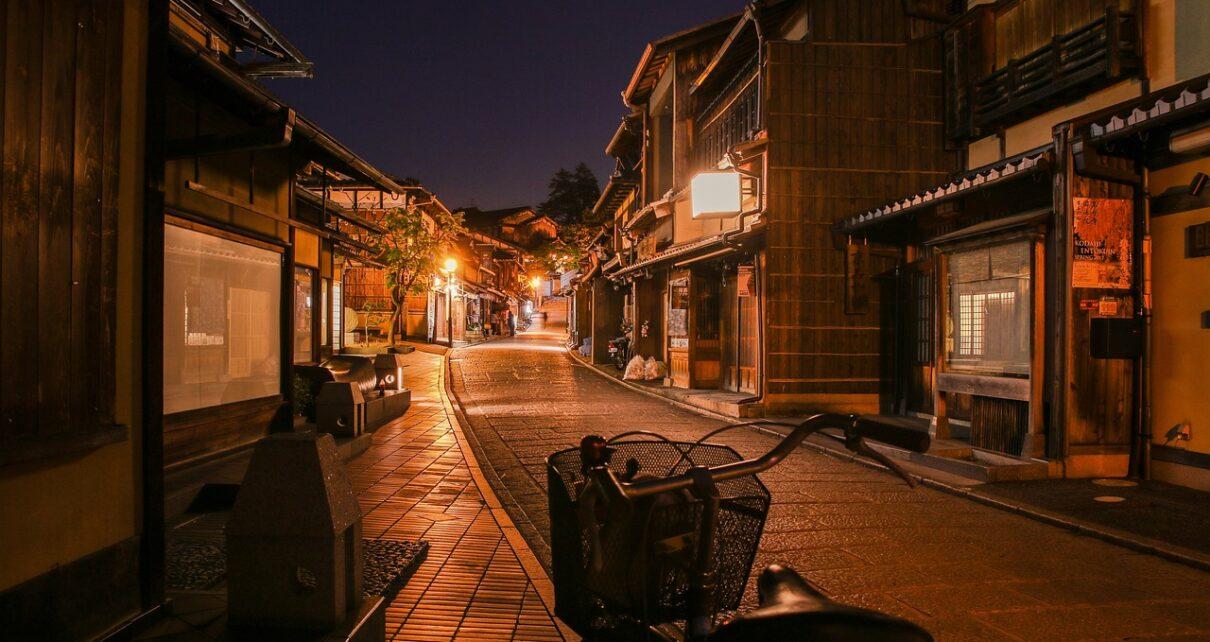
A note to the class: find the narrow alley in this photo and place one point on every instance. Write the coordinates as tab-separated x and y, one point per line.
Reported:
963	570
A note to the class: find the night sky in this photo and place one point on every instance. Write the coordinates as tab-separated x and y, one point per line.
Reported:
482	100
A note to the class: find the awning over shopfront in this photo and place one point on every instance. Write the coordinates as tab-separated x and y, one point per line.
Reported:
244	96
993	226
719	245
318	202
616	191
1021	165
611	265
1177	106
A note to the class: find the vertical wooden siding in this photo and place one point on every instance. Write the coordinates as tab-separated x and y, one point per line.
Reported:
1028	25
58	195
1100	391
867	20
850	127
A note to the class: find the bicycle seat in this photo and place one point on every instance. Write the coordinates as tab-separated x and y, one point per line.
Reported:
791	609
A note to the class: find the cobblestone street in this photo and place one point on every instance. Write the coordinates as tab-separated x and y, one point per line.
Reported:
963	570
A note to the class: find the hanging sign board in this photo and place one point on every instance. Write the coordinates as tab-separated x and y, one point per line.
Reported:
857	278
745	281
1102	243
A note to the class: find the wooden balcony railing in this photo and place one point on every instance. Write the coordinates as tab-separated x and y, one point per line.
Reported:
730	118
1092	56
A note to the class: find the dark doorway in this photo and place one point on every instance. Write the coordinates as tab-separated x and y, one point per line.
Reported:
915	348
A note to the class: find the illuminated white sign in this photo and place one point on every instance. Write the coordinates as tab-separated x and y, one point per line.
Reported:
715	195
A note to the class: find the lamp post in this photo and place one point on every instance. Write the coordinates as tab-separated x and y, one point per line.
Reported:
535	283
447	268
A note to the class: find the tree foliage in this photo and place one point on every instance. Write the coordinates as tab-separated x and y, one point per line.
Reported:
411	249
568	250
572	195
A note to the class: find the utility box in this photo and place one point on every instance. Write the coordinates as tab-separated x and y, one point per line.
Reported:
1116	338
340	409
294	557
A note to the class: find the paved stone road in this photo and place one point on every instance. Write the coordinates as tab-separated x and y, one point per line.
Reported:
413	483
963	570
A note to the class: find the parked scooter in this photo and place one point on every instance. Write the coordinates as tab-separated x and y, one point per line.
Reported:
619	351
619	346
654	540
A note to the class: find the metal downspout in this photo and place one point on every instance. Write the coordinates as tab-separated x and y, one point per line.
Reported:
1145	379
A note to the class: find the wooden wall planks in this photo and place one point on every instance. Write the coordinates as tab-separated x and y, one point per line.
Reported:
1027	25
850	127
1100	408
58	200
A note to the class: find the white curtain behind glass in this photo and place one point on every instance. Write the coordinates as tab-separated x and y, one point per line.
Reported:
222	310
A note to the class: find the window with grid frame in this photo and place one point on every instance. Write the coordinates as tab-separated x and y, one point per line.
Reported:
990	311
925	304
973	309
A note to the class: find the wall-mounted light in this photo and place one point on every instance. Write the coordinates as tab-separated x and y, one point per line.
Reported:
1190	142
716	194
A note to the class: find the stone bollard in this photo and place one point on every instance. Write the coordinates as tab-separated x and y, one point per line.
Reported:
294	556
340	409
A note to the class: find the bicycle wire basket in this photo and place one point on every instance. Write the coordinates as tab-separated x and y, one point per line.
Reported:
649	551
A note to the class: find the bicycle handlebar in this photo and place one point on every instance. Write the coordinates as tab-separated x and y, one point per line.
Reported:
886	430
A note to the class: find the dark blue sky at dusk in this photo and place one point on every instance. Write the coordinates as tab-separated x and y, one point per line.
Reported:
482	100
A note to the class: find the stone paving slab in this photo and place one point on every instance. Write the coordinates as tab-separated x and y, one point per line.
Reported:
963	570
415	483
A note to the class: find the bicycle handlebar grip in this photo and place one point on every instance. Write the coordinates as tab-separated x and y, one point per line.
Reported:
894	431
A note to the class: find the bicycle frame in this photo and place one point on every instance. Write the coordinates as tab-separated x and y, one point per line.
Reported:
701	482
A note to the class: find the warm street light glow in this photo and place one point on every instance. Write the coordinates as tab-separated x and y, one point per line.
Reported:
535	282
715	194
450	265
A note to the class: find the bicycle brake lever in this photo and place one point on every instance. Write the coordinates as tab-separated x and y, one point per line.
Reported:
858	445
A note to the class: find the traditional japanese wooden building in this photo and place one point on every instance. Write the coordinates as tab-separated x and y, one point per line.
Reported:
362	303
80	508
247	283
1044	301
797	109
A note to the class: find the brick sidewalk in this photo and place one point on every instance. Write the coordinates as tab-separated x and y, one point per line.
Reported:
415	483
964	570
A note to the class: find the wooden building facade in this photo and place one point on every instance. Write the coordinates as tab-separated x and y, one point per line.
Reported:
817	106
248	253
1026	288
79	521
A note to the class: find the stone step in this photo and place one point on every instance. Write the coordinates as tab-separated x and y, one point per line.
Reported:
971	463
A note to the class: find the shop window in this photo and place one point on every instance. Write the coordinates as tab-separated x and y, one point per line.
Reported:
304	308
324	311
925	304
990	310
337	315
678	314
222	305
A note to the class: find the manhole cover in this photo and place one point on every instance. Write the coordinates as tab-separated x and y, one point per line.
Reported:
1115	483
1109	499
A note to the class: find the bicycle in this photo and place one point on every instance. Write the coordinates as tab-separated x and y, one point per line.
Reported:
662	549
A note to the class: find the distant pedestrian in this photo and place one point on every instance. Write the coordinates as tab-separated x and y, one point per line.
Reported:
512	324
